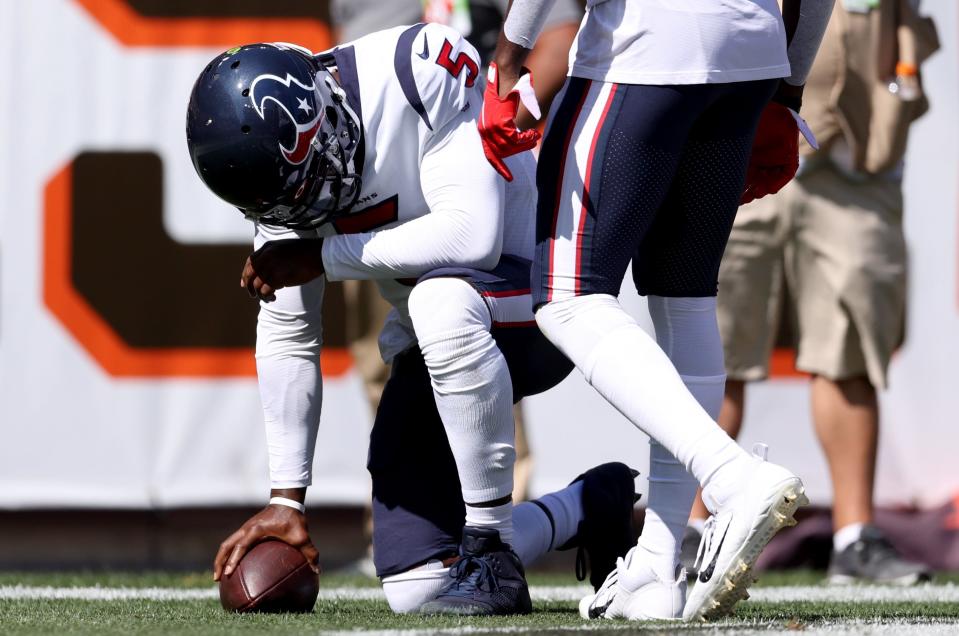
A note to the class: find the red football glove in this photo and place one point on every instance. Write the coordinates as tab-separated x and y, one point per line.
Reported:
497	122
775	155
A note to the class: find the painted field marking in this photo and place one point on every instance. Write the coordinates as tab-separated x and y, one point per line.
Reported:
948	593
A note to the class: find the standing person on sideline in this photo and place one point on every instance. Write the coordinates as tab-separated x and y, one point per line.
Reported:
645	158
834	236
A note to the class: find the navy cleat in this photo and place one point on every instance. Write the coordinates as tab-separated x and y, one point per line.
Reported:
487	580
606	531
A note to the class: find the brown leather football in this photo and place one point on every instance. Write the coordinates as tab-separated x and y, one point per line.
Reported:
272	577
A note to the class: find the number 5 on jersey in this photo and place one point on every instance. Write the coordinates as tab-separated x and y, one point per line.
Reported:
456	67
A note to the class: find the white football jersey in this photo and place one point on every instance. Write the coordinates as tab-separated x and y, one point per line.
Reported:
418	93
680	41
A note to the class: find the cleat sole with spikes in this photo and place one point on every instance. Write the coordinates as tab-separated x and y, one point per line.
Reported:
722	598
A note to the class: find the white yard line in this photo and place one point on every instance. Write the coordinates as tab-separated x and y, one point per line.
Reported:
604	626
880	627
845	628
948	593
24	592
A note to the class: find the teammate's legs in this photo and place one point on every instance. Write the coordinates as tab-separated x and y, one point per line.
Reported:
619	146
687	332
582	317
677	266
624	152
751	287
750	500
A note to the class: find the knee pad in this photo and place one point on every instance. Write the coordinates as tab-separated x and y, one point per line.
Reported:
440	306
452	325
407	591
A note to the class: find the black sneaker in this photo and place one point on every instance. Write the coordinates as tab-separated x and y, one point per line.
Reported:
487	580
690	550
872	559
606	531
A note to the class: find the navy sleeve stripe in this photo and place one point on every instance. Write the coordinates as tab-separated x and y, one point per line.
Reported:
345	61
403	64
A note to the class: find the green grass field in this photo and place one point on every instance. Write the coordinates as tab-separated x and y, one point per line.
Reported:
126	603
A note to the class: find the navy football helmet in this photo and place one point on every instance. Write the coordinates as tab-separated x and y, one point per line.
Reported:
270	131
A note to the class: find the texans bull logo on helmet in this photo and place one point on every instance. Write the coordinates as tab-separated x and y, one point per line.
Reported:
299	102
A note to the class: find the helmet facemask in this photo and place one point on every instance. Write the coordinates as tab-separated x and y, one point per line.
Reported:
332	183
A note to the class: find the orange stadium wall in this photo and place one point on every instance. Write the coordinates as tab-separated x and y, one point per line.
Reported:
127	377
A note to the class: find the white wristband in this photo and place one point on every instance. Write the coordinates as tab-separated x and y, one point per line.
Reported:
289	503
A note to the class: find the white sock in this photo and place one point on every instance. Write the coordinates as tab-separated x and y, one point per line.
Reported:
472	386
846	536
699	525
547	523
407	591
499	518
633	373
687	332
671	494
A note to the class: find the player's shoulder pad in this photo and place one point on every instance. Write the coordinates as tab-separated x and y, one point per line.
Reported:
437	70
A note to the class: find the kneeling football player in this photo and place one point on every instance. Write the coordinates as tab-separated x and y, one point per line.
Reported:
365	163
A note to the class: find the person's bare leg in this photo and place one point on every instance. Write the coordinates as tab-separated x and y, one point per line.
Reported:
846	417
523	468
731	421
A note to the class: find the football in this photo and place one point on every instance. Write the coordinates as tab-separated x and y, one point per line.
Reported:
272	577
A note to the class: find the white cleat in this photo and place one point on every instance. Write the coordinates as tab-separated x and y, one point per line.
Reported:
735	536
634	592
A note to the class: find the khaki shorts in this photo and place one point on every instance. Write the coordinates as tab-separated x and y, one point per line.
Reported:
836	247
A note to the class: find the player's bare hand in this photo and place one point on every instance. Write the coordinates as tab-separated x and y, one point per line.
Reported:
273	522
279	264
